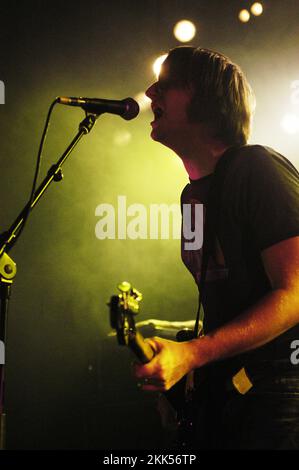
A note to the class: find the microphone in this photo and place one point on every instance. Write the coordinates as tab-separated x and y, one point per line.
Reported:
127	108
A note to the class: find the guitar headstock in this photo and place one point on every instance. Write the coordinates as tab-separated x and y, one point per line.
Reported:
123	308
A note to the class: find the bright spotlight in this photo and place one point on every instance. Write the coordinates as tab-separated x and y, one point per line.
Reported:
143	101
244	16
184	31
290	123
158	64
257	9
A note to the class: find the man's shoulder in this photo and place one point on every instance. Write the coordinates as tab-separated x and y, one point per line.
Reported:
258	161
250	155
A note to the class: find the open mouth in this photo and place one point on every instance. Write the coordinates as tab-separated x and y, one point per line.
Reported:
158	112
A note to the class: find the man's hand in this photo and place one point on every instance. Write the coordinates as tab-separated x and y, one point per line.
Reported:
171	362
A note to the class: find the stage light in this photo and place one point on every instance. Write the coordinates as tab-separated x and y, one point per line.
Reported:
290	123
184	31
143	101
244	16
256	9
158	63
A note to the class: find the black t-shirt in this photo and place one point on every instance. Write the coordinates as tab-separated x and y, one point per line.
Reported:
258	206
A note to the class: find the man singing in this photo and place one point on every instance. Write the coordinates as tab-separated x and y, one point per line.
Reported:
248	397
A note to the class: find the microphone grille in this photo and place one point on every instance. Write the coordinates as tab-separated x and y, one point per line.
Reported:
131	109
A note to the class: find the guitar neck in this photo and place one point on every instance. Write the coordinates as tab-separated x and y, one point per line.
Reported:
140	347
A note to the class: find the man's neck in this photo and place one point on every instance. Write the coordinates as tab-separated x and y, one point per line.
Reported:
204	161
198	150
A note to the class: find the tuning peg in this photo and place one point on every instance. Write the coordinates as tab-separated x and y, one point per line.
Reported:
124	286
137	295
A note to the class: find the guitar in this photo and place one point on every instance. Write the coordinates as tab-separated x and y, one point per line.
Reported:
123	308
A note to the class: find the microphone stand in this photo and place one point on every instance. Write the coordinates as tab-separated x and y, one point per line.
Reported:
8	267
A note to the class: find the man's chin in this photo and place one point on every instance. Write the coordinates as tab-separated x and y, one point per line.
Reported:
157	136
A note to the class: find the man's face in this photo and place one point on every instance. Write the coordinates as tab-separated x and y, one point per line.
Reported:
171	125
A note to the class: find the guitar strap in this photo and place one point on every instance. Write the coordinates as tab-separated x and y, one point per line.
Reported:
210	224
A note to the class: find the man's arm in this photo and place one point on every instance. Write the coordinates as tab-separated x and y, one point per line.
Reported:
274	314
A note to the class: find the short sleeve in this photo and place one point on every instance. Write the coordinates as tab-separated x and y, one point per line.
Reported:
266	198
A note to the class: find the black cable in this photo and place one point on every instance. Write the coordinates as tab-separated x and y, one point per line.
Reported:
37	169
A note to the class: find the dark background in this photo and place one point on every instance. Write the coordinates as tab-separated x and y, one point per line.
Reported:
68	385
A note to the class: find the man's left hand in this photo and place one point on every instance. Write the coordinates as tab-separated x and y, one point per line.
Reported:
171	362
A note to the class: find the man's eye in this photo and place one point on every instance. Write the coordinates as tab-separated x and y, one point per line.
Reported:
163	85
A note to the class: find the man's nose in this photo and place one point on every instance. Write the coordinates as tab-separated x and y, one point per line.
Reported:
151	92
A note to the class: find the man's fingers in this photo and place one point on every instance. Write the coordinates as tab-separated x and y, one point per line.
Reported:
145	370
151	384
151	388
154	344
